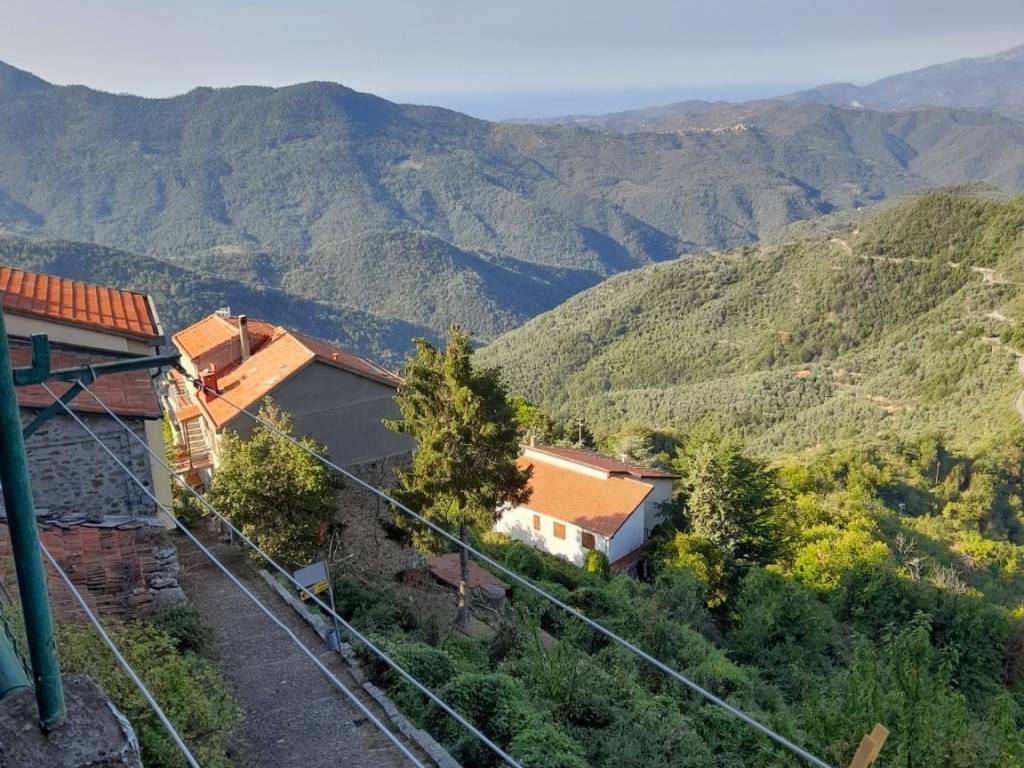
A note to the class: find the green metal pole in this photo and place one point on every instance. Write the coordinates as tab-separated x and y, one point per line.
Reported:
28	562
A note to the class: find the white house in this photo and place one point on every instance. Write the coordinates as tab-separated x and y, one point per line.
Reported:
581	500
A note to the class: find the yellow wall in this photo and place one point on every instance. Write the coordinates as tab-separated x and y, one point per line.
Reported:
19	325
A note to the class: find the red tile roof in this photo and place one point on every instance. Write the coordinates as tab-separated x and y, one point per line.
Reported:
129	394
111	310
603	463
205	336
277	354
600	505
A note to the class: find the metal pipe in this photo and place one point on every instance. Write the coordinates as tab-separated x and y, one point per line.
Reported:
28	563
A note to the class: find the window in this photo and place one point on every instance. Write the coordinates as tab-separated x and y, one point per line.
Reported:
536	522
587	540
559	531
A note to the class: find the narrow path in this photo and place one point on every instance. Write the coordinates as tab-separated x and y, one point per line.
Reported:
294	716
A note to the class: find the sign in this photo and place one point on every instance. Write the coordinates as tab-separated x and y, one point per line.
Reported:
313	578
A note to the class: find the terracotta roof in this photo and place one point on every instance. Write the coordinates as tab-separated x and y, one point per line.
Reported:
600	505
205	336
127	394
276	354
602	463
112	310
257	377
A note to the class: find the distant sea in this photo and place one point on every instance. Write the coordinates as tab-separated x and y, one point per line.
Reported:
531	105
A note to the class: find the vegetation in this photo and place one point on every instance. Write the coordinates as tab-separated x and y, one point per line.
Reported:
170	654
183	296
463	471
424	216
882	598
901	327
275	492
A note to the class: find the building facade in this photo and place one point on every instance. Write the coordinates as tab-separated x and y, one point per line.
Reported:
335	397
581	501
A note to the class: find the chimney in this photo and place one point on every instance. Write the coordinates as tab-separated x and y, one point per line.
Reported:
209	379
243	335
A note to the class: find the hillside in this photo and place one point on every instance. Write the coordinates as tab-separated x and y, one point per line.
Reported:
906	325
993	82
182	297
312	188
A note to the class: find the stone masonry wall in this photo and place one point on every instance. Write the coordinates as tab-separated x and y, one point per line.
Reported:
365	548
95	520
74	479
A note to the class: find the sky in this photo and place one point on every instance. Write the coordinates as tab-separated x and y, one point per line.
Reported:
499	59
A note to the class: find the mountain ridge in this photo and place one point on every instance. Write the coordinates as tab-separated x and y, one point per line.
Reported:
273	187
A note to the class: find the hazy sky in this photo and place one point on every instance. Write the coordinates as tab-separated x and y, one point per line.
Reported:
499	58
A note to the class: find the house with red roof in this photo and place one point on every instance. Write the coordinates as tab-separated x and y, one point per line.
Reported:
102	528
581	500
332	395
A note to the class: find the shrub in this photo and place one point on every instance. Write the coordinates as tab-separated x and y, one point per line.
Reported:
596	562
191	691
544	746
185	625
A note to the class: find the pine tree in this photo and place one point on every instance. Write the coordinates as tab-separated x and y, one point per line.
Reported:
463	472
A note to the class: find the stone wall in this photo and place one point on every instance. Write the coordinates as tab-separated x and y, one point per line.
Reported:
124	572
94	735
75	480
96	521
364	547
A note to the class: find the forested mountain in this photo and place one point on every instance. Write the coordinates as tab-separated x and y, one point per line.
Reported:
424	215
909	324
993	82
182	296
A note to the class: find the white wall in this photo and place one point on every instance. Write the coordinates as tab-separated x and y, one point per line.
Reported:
629	537
558	461
652	505
518	523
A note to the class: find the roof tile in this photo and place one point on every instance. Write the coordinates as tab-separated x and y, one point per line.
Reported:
595	504
113	310
128	394
277	353
602	463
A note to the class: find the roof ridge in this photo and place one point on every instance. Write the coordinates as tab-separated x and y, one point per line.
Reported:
73	281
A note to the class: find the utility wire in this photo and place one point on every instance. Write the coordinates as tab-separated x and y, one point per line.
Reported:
675	675
330	611
123	661
341	686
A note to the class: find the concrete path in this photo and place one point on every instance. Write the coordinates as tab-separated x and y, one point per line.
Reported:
295	717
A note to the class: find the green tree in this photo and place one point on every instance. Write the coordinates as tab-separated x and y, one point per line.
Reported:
464	470
730	499
275	492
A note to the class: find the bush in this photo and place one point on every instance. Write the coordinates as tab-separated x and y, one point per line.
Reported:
544	746
596	562
782	627
191	691
524	560
185	625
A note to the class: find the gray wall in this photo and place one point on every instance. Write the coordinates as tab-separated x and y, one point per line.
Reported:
341	410
74	478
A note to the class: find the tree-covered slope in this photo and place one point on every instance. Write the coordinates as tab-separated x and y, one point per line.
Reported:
278	186
908	324
182	297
